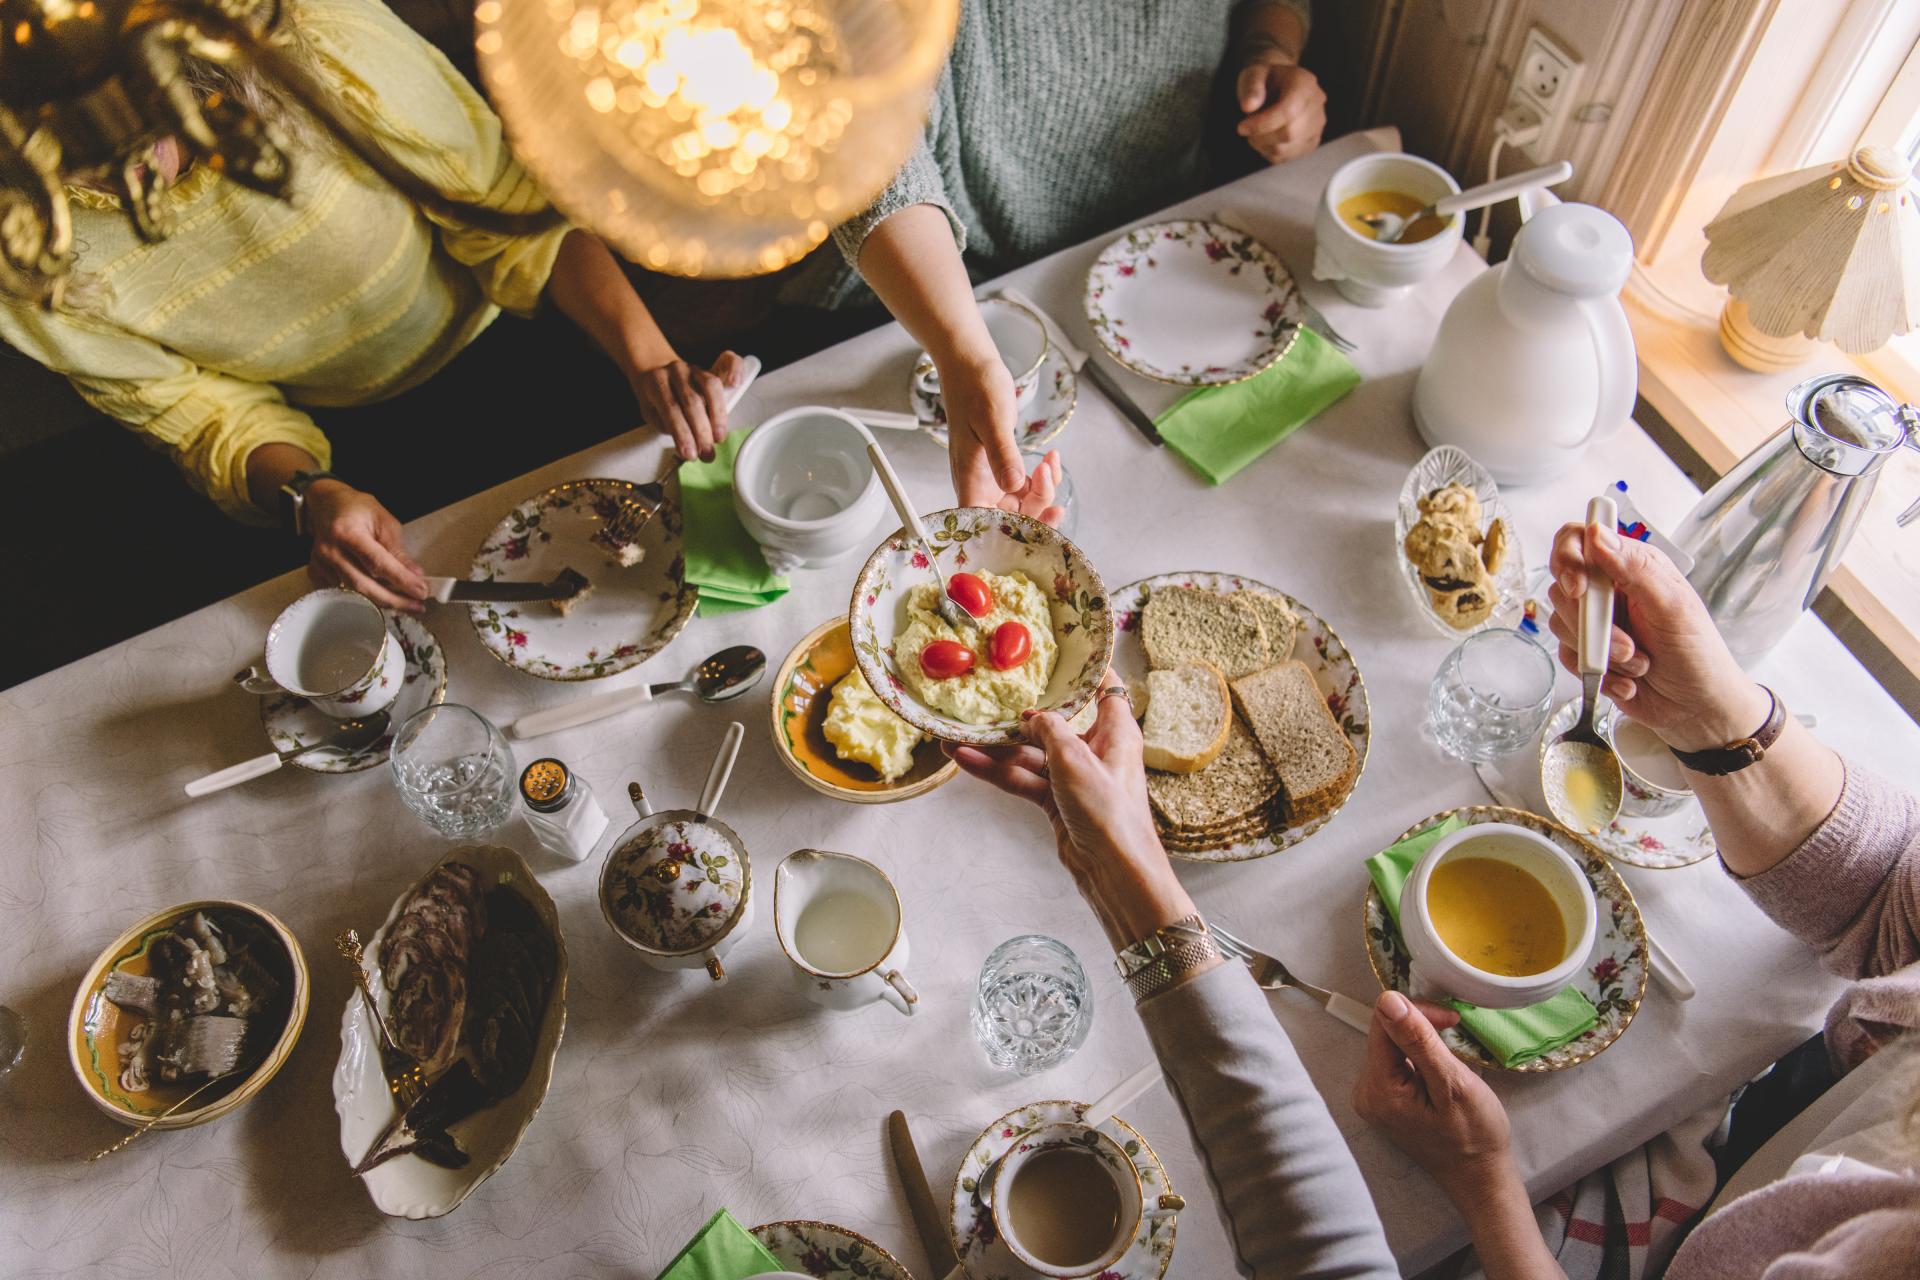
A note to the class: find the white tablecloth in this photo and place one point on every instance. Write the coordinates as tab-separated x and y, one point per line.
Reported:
671	1096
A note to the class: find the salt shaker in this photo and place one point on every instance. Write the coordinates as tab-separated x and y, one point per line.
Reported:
561	809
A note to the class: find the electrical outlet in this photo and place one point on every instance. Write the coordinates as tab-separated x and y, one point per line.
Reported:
1544	80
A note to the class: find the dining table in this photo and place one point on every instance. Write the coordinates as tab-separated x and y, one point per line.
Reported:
673	1096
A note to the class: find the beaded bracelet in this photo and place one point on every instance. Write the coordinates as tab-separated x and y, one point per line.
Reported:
1165	957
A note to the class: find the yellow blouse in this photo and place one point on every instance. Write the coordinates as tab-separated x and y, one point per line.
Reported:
345	294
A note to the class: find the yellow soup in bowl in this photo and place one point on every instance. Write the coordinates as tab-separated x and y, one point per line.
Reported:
1496	917
1355	208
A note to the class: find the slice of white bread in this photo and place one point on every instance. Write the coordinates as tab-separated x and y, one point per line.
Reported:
1237	783
1276	618
1188	711
1299	738
1187	624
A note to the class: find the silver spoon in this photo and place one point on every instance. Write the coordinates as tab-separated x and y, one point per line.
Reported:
1581	751
948	608
351	736
1388	228
726	674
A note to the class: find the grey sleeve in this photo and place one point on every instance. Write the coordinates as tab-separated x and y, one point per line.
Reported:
1288	1190
918	182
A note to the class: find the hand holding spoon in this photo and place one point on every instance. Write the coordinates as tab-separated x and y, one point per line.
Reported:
1580	773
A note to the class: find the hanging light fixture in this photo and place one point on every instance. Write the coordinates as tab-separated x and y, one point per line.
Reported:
713	137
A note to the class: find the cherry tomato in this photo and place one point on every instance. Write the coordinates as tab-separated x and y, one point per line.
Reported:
1010	646
969	591
946	660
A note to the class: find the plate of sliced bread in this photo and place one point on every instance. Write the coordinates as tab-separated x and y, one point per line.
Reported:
1254	714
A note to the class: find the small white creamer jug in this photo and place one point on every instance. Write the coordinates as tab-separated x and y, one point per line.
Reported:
1534	359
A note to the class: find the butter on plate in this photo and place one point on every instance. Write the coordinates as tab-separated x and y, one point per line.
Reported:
862	729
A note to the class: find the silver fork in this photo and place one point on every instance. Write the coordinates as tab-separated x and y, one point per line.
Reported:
1271	975
1319	321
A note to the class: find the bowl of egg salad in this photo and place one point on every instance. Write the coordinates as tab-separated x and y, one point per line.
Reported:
836	735
1043	638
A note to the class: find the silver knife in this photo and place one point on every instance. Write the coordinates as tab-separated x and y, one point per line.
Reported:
1084	364
463	590
928	1220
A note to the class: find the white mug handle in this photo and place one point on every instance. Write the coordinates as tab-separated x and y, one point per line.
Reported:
897	991
256	680
926	379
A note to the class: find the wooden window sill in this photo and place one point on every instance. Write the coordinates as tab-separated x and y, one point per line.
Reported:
1722	412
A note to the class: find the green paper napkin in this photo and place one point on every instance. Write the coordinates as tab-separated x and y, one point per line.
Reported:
1219	430
1513	1036
721	559
723	1250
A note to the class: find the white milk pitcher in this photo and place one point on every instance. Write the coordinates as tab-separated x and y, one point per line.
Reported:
838	919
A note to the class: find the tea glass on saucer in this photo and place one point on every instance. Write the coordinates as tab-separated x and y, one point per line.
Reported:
838	920
332	647
1018	335
1437	972
1067	1201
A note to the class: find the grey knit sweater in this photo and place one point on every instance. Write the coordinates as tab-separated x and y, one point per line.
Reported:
1051	123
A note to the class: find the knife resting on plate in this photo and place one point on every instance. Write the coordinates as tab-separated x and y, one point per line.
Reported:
928	1218
471	591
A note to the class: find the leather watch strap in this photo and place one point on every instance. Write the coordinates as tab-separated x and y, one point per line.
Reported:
1717	762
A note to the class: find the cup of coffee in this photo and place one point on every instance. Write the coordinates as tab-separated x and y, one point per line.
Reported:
333	648
1496	915
1019	335
1654	784
838	919
1067	1200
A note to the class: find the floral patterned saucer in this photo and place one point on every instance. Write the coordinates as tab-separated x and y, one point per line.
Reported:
1677	839
1316	644
827	1252
631	614
1615	982
291	721
1193	303
1046	417
982	1253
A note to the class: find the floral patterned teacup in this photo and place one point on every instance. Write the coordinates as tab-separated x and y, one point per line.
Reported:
333	648
1437	973
1018	335
1021	1222
838	919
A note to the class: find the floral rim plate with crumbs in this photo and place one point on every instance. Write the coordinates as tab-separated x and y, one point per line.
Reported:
827	1252
986	1257
630	613
1193	303
1615	982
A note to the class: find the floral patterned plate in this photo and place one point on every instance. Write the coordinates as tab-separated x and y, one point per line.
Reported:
1316	644
982	1253
1677	839
1614	982
633	612
1053	403
827	1252
982	538
1197	304
291	721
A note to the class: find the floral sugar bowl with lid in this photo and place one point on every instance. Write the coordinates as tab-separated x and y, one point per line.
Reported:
677	886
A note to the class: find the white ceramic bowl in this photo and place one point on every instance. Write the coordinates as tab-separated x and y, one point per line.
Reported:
1361	268
805	489
982	538
1437	972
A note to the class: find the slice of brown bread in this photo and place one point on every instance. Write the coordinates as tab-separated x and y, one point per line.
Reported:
1299	737
1188	624
1276	618
1236	784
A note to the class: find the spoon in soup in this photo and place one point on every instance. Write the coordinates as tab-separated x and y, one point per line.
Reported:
1579	772
1388	228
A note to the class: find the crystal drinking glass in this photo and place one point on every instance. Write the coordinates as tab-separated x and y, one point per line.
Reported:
1034	1005
1491	696
454	770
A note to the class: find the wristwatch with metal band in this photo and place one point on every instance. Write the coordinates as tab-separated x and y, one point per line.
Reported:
1166	957
1719	761
293	498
